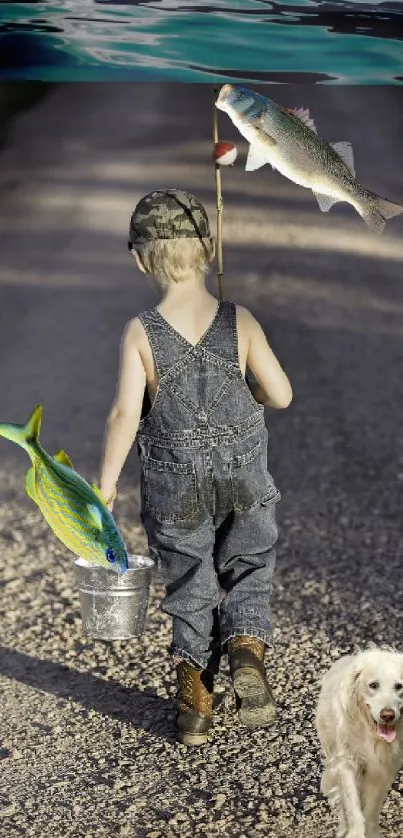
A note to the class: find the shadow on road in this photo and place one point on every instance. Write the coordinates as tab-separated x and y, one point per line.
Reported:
126	704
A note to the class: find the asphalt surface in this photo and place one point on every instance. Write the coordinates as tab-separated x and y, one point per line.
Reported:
88	743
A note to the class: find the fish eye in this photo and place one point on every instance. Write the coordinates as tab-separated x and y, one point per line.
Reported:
398	687
111	555
374	685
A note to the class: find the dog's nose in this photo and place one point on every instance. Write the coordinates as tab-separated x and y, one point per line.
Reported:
387	715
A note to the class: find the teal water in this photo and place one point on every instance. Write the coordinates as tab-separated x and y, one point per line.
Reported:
345	41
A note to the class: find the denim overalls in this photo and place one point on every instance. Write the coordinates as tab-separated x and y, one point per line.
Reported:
207	499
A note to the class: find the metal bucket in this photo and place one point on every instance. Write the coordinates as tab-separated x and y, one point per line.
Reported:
114	605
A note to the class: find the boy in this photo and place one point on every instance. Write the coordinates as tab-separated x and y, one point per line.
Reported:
208	501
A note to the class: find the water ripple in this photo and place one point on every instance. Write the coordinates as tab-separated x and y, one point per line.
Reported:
321	42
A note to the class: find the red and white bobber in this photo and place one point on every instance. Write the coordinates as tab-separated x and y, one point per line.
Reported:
225	153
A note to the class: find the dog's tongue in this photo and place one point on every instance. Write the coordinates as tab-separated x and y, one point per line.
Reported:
385	732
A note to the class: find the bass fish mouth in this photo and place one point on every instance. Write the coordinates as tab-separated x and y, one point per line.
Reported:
223	95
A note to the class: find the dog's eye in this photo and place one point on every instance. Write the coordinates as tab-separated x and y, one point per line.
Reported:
398	687
374	685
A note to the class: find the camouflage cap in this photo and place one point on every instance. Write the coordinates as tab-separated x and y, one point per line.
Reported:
168	214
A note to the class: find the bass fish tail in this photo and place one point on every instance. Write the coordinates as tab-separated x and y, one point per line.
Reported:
377	211
23	435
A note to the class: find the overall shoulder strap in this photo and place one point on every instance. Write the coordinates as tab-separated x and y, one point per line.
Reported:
222	338
167	348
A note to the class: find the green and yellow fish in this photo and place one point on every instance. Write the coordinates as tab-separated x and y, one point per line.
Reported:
76	512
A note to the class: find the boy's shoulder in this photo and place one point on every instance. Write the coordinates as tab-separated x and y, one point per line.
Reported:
243	311
134	331
244	316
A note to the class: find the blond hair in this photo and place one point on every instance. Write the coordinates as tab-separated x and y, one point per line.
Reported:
175	260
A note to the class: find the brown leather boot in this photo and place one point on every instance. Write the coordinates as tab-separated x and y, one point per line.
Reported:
194	703
255	700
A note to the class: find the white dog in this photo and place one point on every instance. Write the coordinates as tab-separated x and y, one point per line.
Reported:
359	720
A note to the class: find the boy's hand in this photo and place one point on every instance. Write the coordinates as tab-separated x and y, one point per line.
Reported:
110	497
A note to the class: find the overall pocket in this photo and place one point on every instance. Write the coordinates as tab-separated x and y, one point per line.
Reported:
251	483
170	490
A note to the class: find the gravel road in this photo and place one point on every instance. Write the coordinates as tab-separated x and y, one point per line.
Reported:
88	743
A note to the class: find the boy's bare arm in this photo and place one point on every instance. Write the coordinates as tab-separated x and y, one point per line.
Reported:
124	417
272	387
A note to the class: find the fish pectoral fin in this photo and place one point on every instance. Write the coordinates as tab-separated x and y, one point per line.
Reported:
304	115
95	515
345	151
62	457
257	157
324	201
30	484
98	493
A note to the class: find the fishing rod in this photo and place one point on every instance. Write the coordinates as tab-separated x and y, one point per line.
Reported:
219	200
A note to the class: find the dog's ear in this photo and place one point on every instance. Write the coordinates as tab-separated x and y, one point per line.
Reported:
349	686
355	675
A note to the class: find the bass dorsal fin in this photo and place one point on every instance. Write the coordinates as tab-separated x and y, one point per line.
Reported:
304	115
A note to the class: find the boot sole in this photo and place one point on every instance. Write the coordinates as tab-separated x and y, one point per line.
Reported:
257	708
192	738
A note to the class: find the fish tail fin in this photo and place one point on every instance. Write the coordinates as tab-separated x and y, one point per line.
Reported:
23	435
376	211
